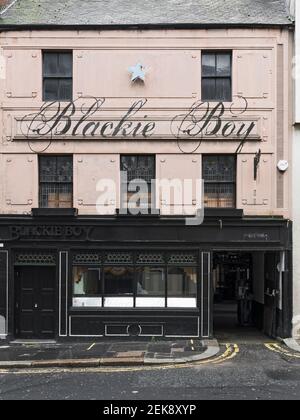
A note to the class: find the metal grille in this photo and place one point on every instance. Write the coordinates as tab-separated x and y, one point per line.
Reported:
148	258
118	258
87	258
219	174
35	258
56	181
219	195
183	258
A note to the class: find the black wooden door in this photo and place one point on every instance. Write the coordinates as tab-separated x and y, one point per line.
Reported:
35	302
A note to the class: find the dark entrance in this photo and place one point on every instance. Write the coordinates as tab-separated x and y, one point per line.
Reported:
238	280
251	292
35	302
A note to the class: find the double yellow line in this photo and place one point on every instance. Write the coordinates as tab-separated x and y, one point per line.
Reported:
276	348
232	351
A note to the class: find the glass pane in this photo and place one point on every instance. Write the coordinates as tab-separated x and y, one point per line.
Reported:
86	281
208	89
65	90
48	168
227	168
224	65
150	281
51	90
56	181
223	90
219	168
182	281
50	64
208	64
118	281
65	196
219	195
56	169
64	169
58	64
139	167
65	64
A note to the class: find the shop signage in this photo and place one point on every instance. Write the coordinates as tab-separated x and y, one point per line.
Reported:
49	232
203	121
256	237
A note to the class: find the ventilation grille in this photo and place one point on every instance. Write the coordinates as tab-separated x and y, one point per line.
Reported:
148	258
35	258
118	258
183	258
87	258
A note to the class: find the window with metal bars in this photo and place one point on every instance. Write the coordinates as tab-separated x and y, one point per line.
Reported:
56	181
217	76
57	76
137	168
219	174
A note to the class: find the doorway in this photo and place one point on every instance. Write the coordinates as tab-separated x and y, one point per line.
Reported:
239	284
35	302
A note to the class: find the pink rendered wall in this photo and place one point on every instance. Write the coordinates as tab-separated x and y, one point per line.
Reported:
173	83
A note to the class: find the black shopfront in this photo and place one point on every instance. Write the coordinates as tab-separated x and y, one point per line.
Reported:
68	277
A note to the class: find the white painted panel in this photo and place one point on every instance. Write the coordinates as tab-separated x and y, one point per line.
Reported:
87	302
182	303
146	302
2	326
118	302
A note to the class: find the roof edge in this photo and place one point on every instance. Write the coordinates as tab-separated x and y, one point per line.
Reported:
146	26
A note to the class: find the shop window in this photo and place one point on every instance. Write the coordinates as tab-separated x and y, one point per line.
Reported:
87	286
217	76
139	169
182	282
219	174
57	76
150	281
56	181
118	281
140	282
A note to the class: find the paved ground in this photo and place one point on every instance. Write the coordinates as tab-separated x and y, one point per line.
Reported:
105	352
245	371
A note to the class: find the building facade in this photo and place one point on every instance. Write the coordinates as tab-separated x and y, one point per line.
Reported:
191	105
296	154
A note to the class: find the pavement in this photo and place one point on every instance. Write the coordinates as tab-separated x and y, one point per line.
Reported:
92	355
292	344
253	371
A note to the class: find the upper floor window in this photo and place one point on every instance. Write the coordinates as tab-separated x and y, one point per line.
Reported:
58	76
219	174
137	187
217	76
56	181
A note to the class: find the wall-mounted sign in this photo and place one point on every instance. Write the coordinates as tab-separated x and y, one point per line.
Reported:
203	121
48	232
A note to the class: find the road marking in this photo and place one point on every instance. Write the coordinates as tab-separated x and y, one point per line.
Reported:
232	351
276	348
90	348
